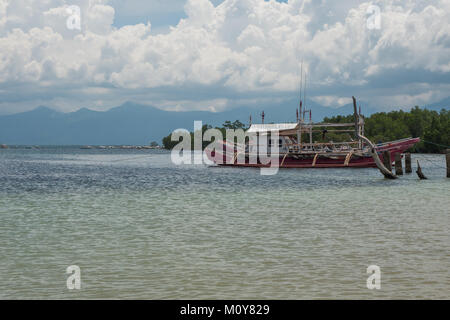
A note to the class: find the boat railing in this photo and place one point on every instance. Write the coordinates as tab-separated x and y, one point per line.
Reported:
387	144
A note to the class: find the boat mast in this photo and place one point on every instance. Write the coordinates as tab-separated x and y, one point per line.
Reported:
301	84
310	115
299	118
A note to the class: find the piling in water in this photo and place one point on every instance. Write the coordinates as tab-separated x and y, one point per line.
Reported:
408	168
387	160
447	156
419	172
398	164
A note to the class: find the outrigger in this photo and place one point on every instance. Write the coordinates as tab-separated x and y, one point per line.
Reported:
293	152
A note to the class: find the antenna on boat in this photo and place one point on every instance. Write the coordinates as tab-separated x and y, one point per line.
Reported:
301	85
301	106
250	124
304	95
262	115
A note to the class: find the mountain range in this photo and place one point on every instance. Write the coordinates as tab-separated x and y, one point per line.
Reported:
135	124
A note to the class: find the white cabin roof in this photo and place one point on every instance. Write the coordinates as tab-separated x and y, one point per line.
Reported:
271	127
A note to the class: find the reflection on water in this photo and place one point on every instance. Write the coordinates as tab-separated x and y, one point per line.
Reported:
140	227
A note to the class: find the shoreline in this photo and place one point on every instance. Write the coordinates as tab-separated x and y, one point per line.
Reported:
83	147
118	147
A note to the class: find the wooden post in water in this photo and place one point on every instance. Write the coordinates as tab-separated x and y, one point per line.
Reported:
447	156
408	168
387	161
398	164
419	172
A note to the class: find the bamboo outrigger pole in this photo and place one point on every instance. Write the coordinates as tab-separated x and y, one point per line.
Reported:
387	174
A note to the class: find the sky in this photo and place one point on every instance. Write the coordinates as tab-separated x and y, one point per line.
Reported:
215	55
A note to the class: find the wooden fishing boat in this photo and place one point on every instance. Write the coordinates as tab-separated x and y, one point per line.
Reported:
292	151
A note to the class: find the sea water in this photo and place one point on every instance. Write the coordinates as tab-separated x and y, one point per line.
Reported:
140	227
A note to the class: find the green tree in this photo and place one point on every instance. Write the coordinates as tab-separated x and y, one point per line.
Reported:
235	125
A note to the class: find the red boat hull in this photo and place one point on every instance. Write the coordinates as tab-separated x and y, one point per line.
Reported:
227	157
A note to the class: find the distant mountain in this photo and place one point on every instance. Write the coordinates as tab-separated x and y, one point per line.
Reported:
128	124
137	124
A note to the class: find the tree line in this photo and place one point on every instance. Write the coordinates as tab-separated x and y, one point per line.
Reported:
169	144
431	126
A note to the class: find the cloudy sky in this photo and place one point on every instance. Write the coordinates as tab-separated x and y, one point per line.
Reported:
219	54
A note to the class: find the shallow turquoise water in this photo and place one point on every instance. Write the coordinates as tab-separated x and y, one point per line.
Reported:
141	227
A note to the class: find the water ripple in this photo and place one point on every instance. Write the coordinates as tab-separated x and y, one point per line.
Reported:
140	227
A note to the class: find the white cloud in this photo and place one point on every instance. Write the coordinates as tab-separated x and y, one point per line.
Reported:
329	101
237	47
